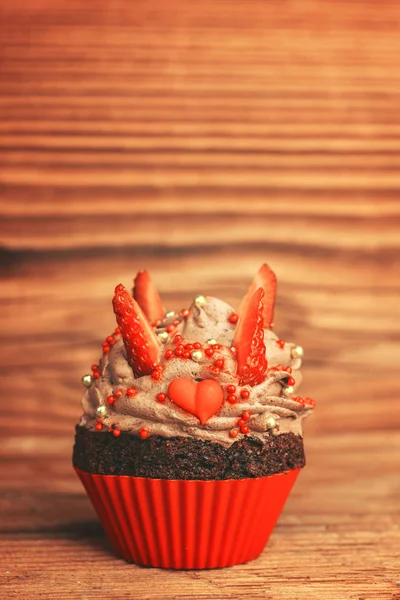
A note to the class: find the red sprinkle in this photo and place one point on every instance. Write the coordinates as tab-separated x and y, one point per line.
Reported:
185	312
246	415
216	346
144	433
209	351
281	343
244	429
99	426
245	394
156	374
309	401
233	433
220	363
291	381
170	328
186	354
241	422
161	397
110	340
231	389
177	339
178	351
168	354
116	432
106	348
117	331
232	398
197	346
131	392
110	399
189	347
96	375
119	393
95	367
233	318
176	322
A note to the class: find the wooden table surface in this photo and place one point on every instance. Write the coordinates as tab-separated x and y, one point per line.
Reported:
198	140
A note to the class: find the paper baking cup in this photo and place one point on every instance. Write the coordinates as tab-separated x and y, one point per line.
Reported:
188	524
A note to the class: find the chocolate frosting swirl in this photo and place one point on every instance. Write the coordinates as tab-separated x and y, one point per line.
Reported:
271	410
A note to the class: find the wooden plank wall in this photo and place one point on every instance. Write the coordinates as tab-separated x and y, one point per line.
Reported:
199	140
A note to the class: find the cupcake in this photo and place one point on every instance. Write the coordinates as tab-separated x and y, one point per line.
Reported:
191	435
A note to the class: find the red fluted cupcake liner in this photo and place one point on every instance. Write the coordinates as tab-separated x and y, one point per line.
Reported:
188	524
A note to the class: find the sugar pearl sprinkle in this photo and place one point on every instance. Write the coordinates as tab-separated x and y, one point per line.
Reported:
200	300
297	352
87	380
197	355
163	336
288	390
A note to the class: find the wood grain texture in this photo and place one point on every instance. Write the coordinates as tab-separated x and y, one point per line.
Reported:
199	140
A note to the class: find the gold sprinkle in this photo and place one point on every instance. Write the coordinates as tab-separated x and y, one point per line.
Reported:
200	300
163	336
288	390
87	380
197	355
297	352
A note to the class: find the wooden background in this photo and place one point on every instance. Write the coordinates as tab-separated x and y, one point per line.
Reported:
198	140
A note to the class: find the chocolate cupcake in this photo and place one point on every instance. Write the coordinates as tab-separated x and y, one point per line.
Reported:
191	436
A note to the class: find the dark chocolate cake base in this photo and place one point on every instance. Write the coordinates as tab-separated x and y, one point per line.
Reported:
185	458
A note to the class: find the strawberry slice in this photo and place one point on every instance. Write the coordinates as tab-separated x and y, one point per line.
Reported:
249	342
265	279
146	295
142	346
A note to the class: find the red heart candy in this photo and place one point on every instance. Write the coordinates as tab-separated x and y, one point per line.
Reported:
202	400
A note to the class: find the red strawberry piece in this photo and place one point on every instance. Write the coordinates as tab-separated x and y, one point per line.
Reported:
146	295
142	345
249	342
266	280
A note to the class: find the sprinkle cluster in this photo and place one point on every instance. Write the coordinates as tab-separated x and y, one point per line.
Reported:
166	331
